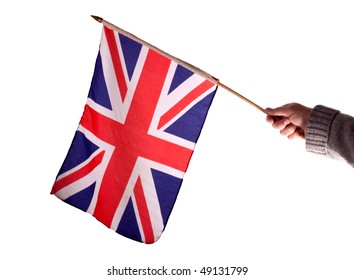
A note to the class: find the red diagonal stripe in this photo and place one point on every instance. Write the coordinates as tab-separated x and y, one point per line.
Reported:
184	102
143	212
112	44
78	174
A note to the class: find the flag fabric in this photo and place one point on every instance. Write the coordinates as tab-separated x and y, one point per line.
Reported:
143	117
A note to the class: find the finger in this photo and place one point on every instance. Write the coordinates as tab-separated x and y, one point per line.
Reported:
288	130
281	124
270	119
293	136
299	133
272	116
296	135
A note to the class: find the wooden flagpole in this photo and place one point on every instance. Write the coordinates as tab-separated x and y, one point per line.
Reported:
179	61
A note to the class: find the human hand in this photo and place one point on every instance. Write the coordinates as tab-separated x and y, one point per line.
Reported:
290	119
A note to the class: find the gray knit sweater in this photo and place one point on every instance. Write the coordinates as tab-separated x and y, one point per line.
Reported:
330	133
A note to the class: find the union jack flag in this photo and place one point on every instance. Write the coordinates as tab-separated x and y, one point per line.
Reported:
142	119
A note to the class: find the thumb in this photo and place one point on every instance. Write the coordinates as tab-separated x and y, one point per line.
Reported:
277	112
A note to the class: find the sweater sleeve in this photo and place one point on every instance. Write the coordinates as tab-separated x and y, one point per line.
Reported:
330	133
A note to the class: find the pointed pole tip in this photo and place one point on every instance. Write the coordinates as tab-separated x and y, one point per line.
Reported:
99	19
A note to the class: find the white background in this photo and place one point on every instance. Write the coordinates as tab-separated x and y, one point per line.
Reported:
250	197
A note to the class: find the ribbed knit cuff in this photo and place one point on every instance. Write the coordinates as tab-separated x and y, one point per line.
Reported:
318	128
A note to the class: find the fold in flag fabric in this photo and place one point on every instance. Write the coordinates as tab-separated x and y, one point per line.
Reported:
143	117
